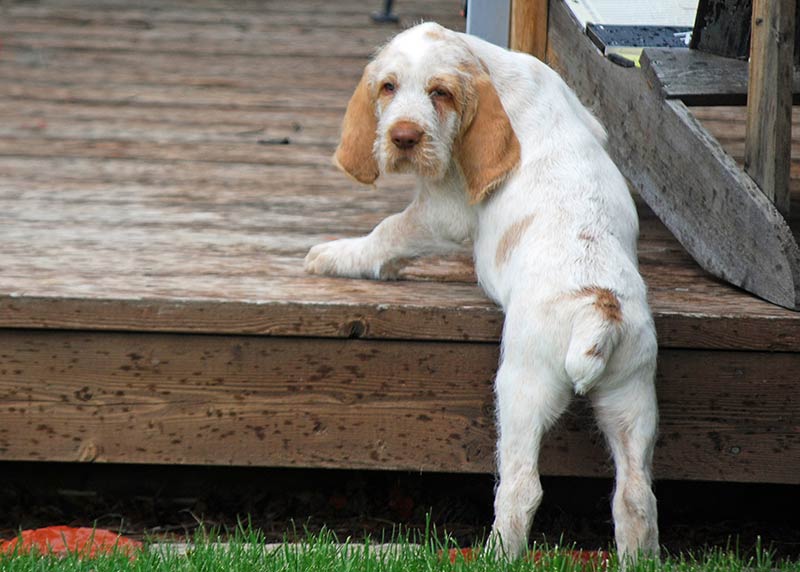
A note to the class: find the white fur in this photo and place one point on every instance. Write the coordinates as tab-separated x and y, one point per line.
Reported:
581	239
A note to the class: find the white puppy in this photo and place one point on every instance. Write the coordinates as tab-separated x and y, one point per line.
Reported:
508	157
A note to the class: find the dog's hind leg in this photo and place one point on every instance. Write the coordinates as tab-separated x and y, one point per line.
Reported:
628	416
529	400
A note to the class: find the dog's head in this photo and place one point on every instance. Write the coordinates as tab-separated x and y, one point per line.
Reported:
424	104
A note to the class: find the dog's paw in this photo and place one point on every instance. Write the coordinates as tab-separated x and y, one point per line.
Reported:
350	257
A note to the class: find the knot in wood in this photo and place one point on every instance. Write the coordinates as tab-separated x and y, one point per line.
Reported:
354	329
89	452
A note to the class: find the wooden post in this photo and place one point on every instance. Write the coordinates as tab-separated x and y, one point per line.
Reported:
769	99
529	27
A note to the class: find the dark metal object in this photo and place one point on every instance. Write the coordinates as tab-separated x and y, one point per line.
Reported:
386	16
607	36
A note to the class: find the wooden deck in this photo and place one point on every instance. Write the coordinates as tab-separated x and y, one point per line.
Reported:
163	170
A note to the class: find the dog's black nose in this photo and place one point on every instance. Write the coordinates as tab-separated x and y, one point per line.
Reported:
405	135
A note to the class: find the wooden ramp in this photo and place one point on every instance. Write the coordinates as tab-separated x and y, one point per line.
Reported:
163	170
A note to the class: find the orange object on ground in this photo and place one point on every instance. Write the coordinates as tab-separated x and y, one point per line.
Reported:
60	540
589	559
468	554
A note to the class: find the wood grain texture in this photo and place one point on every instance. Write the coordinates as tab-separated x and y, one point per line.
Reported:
699	78
234	400
148	191
769	99
529	27
722	27
164	169
714	209
728	125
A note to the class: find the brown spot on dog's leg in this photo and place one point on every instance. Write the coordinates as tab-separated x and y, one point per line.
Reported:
594	351
511	238
587	236
605	301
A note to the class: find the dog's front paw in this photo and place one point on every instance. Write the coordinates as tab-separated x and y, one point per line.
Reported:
350	257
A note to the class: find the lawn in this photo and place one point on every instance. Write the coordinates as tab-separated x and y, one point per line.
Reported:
245	551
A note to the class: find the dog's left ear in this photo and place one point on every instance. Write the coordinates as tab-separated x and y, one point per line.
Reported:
488	149
354	155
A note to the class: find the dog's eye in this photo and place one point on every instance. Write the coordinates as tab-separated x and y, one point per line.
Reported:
440	93
388	87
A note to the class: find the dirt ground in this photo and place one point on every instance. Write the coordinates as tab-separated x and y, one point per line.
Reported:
168	501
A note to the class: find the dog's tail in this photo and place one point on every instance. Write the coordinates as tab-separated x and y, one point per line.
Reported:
595	332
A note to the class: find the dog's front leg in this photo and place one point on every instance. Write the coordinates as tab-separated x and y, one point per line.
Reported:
429	225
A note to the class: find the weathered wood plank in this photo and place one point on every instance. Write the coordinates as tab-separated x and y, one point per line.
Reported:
717	213
728	125
698	78
265	19
235	73
134	149
722	27
175	123
767	153
529	27
278	43
190	255
685	318
219	8
167	95
73	396
265	401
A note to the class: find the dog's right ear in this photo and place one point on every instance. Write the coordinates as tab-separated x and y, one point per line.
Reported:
354	155
488	150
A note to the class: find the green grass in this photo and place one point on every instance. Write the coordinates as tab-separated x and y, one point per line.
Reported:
245	552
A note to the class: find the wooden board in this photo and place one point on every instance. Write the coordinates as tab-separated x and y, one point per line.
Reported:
728	125
769	99
529	27
698	78
722	27
233	400
715	210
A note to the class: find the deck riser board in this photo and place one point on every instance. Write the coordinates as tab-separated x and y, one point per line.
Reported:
228	400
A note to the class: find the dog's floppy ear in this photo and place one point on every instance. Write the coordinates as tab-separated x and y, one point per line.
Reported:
354	154
488	149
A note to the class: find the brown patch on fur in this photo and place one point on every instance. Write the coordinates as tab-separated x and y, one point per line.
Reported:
435	34
594	351
450	83
488	149
605	301
511	238
587	236
383	98
354	155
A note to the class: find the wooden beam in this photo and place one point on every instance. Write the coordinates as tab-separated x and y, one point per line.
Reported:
713	208
769	95
304	402
529	27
